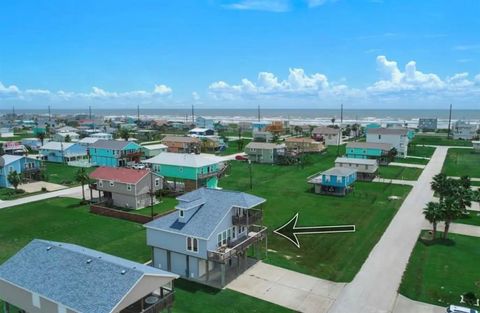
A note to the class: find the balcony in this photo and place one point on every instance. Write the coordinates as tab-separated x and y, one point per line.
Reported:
224	253
153	303
251	217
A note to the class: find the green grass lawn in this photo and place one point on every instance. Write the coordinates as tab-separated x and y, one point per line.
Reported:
63	174
471	218
439	273
412	161
460	162
287	193
10	194
166	204
233	147
420	151
62	219
438	140
399	172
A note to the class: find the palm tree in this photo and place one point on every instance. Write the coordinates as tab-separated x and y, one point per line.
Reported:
41	136
81	177
440	185
14	179
333	121
124	134
451	210
433	214
2	152
67	138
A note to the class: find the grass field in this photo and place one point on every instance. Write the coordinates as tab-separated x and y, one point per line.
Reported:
233	147
439	273
166	204
412	161
63	174
460	162
420	151
62	219
399	172
471	218
287	193
10	194
438	140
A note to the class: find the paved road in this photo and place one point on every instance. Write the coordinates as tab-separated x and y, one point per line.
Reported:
74	192
395	181
374	288
290	289
407	165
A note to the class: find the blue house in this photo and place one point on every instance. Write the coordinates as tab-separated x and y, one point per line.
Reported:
57	277
202	122
336	181
114	153
27	166
62	152
207	237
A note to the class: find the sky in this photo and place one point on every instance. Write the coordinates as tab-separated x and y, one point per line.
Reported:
240	53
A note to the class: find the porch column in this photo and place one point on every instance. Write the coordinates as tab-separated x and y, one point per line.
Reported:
91	194
207	270
6	307
222	279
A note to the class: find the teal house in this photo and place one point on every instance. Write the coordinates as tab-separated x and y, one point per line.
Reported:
369	150
190	170
114	153
336	181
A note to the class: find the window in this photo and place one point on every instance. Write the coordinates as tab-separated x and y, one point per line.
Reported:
157	182
181	213
234	232
100	183
62	309
129	187
36	300
180	169
339	179
112	183
327	178
192	244
379	136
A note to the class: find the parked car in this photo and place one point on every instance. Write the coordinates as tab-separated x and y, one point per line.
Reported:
139	166
241	158
460	309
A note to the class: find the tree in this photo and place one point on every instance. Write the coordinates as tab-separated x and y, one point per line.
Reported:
333	121
67	138
14	179
124	134
440	185
451	210
433	213
81	177
41	136
297	129
2	152
392	154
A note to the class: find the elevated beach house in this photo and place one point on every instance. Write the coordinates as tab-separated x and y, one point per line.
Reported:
328	135
114	153
369	150
367	169
56	277
66	137
397	137
207	238
62	152
125	187
427	124
337	181
182	144
201	132
476	145
28	167
264	152
464	130
190	171
152	150
303	144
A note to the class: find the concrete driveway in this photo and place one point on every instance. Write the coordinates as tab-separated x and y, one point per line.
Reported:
38	185
407	165
287	288
405	305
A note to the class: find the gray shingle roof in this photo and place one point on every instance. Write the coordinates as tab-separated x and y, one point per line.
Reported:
356	161
263	145
110	144
217	203
60	272
370	145
326	130
339	171
388	131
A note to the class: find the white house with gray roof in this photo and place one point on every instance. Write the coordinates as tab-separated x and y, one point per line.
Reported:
397	137
264	152
207	237
55	277
366	168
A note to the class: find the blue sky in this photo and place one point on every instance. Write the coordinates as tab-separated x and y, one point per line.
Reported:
240	53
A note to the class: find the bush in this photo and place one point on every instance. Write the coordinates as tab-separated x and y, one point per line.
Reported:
44	189
19	191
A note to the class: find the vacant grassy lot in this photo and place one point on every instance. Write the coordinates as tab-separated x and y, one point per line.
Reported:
399	172
233	147
439	273
63	174
471	218
438	140
166	204
420	151
412	161
460	162
62	219
287	192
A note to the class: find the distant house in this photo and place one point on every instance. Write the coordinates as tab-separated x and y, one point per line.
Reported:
61	137
464	130
62	152
27	166
126	187
201	132
87	141
57	277
427	124
369	150
150	151
366	168
303	144
277	127
104	136
397	137
213	144
182	144
6	132
193	170
264	152
372	125
337	181
206	239
476	146
262	136
202	122
67	129
114	153
14	147
260	126
33	143
328	135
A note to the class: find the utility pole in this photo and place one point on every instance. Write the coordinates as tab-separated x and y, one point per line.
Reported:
193	114
89	112
258	113
341	114
449	121
138	113
250	171
49	114
151	193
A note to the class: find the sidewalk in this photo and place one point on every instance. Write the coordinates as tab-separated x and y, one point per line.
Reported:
395	181
407	165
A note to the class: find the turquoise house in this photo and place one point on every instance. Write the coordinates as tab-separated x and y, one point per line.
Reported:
336	181
191	170
371	126
368	150
114	153
27	166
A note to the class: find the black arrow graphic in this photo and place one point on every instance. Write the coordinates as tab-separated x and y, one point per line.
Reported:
290	230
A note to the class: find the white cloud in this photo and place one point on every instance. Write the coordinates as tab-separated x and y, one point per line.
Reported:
195	96
316	3
162	90
260	5
8	90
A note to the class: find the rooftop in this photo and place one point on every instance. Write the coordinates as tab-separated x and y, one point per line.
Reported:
73	276
263	145
110	144
211	204
388	131
356	161
326	130
55	145
370	145
119	174
185	139
184	159
8	159
155	146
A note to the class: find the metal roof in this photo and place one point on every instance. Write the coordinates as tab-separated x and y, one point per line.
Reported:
339	171
388	131
184	159
56	145
356	161
370	145
110	144
216	204
78	278
263	145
